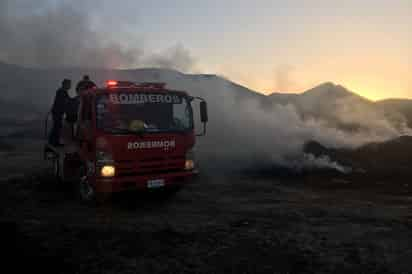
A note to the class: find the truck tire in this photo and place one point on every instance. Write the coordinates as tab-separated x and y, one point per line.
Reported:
85	191
56	170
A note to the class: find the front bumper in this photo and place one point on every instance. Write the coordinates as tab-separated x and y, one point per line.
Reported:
118	184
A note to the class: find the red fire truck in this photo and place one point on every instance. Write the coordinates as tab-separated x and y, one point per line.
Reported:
128	136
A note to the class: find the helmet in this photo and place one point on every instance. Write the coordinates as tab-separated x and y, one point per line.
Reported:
66	82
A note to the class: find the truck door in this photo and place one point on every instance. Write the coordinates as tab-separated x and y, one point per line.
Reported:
85	127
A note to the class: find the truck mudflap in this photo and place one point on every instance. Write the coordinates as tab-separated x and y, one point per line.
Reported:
143	182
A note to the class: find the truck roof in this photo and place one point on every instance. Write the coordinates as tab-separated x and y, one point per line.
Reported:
130	87
100	91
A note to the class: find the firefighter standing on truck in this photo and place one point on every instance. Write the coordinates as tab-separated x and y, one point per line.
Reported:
58	110
85	84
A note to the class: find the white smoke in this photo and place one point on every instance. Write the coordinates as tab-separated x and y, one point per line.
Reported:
309	161
245	132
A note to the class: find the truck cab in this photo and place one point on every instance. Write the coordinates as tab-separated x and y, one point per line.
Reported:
129	136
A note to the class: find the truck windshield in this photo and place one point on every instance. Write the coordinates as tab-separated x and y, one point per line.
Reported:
143	112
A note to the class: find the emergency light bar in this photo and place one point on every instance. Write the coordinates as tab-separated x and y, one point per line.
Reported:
111	83
152	85
119	84
126	84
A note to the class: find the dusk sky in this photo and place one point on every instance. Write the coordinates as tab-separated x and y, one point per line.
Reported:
286	46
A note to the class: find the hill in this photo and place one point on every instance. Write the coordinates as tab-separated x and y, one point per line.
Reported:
332	104
344	109
397	107
245	127
37	86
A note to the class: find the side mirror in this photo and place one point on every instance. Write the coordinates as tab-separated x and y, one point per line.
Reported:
203	112
204	118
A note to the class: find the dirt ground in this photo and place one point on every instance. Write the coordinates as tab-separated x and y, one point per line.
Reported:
221	223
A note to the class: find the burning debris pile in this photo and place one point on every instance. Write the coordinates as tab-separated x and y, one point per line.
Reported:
393	156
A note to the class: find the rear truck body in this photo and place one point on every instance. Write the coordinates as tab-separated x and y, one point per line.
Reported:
129	136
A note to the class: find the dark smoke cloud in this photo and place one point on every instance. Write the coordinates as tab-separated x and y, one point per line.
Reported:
61	35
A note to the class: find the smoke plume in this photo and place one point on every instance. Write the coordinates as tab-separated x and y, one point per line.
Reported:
176	57
55	36
244	132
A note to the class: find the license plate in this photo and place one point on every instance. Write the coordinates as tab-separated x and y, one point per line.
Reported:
156	183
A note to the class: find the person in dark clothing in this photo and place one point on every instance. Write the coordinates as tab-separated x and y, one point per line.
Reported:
58	110
85	84
72	108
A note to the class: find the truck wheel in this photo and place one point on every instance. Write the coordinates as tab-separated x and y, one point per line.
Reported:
85	191
56	169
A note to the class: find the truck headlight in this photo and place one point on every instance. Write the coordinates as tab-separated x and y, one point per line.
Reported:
108	171
189	165
190	160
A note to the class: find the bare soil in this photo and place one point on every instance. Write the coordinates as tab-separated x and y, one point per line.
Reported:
221	223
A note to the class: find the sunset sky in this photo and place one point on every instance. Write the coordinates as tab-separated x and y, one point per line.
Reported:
269	45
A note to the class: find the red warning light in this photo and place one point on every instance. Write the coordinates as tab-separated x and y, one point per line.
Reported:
111	83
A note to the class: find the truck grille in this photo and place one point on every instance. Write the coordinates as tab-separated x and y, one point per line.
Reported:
156	165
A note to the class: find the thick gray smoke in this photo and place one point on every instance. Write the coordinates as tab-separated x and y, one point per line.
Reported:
245	132
61	35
